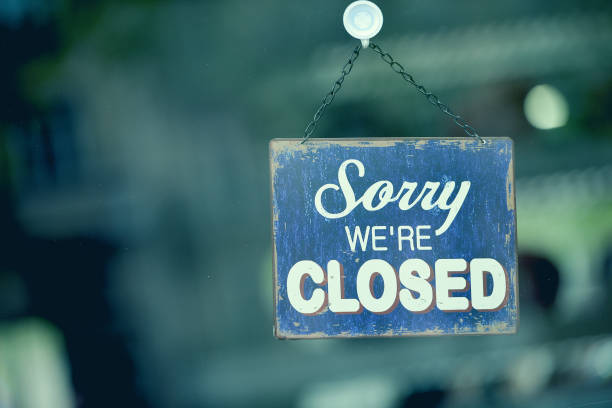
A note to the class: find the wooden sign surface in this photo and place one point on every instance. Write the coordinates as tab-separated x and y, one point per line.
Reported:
393	237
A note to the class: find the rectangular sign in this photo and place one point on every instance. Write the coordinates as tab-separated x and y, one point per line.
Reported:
393	237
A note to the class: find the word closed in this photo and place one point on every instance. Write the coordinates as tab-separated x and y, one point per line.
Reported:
393	237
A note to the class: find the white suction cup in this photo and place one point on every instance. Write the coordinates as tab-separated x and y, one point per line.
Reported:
363	20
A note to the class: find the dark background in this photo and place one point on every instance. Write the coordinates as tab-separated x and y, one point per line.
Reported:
135	253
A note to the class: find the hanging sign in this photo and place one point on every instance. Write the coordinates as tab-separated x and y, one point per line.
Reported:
393	237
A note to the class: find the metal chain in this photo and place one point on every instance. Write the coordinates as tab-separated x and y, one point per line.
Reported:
329	98
399	69
433	99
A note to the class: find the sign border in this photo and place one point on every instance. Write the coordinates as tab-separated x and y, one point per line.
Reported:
289	336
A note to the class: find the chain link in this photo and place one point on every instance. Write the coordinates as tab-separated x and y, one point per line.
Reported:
329	98
399	69
431	98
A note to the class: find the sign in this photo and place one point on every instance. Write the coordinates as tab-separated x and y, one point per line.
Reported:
393	237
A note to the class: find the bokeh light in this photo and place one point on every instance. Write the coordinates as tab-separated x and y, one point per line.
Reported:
546	107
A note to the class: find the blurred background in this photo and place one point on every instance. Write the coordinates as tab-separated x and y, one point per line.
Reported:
135	256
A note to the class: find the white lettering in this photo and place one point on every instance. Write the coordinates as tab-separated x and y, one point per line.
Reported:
416	293
499	295
335	288
446	284
365	281
415	274
363	238
295	288
401	237
346	188
378	238
421	237
380	193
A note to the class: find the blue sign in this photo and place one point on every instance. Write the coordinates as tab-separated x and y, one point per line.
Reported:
393	237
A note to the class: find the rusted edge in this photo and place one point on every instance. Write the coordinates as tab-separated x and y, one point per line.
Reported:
276	330
511	174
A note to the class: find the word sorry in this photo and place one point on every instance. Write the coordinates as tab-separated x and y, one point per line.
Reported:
384	191
414	275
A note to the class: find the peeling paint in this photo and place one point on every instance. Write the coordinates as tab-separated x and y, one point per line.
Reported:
510	200
486	227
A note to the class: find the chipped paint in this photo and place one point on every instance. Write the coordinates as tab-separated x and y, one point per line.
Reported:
486	227
510	198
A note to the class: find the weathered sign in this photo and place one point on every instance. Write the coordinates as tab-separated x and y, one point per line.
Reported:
393	237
